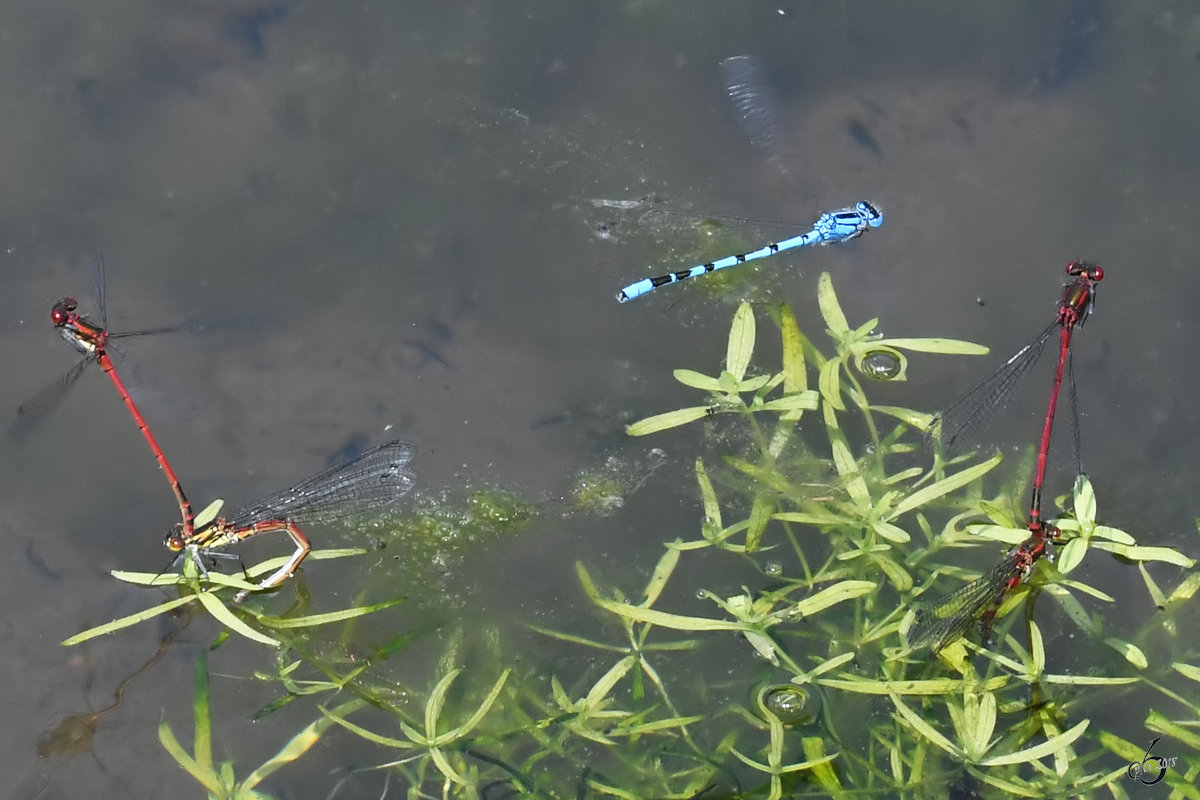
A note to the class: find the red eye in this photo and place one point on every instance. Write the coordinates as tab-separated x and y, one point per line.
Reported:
61	311
174	544
1089	271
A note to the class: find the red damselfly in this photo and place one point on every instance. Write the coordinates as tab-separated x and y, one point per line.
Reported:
975	407
91	339
374	480
939	624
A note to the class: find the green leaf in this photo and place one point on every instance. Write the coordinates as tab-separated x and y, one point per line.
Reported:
674	621
927	688
1130	652
752	384
371	736
795	375
979	720
436	702
1167	555
299	744
697	380
823	667
924	728
1085	500
741	342
1112	534
596	696
893	533
954	347
829	381
662	573
760	515
482	709
950	483
671	419
914	419
831	310
1189	671
1071	555
203	713
830	596
847	467
208	514
1046	748
205	776
1087	680
125	622
801	401
313	620
231	621
712	509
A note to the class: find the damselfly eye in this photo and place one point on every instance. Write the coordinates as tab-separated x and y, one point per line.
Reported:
62	309
174	543
1087	270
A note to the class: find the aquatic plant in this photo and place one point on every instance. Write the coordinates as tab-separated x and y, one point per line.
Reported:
843	526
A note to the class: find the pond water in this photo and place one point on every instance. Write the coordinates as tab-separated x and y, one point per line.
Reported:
411	219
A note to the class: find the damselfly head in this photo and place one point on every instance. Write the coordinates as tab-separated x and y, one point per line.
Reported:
61	311
174	540
870	212
1093	272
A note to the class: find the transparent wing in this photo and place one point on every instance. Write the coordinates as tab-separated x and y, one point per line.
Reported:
374	480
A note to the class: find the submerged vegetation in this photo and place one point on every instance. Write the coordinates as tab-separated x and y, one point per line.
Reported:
839	523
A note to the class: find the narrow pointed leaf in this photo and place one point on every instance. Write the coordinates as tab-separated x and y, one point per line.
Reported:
662	573
741	342
1071	555
801	401
697	380
1085	499
795	374
832	595
202	711
950	483
299	744
1129	651
482	709
924	728
1046	748
953	347
914	419
206	777
437	700
760	515
831	310
125	622
674	621
313	620
712	509
830	383
608	681
671	419
893	533
847	467
208	514
223	615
